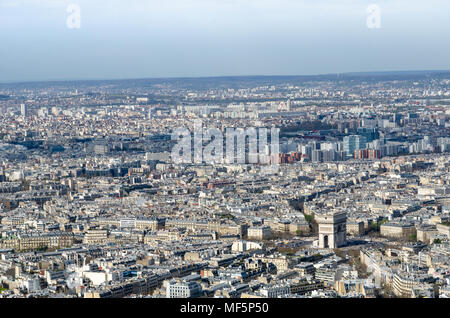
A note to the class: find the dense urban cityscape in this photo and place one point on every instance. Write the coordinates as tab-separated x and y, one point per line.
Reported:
356	204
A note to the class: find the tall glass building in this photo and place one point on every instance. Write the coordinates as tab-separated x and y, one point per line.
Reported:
354	142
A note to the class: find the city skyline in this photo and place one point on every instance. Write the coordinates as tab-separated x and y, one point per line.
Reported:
243	156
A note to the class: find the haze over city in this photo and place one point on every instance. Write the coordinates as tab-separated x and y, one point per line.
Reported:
191	38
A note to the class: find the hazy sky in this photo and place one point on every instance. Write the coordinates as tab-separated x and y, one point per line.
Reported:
171	38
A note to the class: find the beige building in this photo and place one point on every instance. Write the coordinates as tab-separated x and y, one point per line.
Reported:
444	228
26	242
403	286
192	256
437	219
282	263
355	228
222	228
259	232
296	227
162	235
95	237
424	233
398	230
140	224
13	221
344	287
293	227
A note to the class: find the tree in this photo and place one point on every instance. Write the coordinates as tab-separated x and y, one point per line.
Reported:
309	218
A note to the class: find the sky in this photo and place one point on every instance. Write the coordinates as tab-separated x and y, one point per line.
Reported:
119	39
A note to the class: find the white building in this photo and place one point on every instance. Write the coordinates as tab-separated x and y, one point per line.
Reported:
183	290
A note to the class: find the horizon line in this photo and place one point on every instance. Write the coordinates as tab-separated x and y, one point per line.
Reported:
215	76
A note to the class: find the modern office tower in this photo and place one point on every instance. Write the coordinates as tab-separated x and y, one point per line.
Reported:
368	123
397	118
371	134
329	155
329	146
315	145
332	229
443	144
354	142
23	110
367	154
288	146
317	156
423	145
306	150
